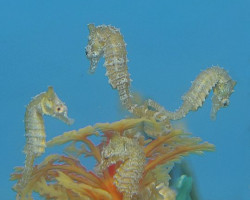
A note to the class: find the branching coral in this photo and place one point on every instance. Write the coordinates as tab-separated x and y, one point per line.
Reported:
128	165
135	156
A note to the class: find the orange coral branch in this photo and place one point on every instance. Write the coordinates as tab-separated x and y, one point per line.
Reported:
94	149
177	153
75	167
82	189
119	126
91	177
159	141
72	136
108	184
80	135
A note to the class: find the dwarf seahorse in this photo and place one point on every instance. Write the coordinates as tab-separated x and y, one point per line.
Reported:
45	103
131	155
215	78
107	41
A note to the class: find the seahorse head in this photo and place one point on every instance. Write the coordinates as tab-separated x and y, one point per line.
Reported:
118	146
222	93
53	106
94	49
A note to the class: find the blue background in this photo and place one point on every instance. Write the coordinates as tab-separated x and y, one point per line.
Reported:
169	43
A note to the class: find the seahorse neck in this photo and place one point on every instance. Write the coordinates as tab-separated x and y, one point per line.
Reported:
36	103
33	115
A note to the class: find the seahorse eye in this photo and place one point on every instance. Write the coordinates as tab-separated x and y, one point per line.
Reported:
59	109
225	102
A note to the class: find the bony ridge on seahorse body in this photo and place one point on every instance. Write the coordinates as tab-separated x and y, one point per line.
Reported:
46	103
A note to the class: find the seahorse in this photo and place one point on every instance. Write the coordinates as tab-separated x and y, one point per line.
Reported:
215	78
46	103
132	157
107	41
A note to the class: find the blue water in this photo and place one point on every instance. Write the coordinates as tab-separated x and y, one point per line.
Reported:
169	42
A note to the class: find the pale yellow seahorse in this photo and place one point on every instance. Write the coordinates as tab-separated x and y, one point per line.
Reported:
215	78
131	154
46	103
107	41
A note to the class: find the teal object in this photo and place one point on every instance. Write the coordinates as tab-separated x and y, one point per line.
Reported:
184	187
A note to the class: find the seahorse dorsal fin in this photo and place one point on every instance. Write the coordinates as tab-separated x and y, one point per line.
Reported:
91	27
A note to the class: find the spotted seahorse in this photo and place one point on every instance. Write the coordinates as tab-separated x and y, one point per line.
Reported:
46	103
214	78
130	153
